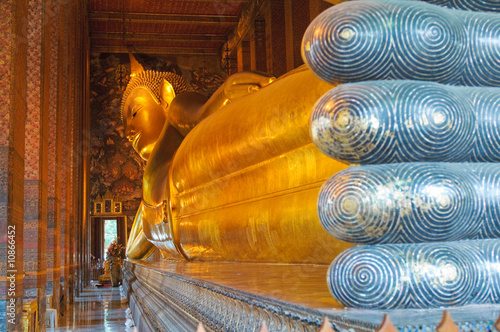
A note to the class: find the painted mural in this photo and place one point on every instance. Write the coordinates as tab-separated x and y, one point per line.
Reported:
115	166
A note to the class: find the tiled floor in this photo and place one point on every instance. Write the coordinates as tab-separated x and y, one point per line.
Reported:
96	310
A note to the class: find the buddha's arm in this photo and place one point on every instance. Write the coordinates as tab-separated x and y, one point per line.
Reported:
156	172
185	112
235	87
190	108
154	184
138	246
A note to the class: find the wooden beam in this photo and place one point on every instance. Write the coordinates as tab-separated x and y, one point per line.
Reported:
154	50
162	18
224	3
158	37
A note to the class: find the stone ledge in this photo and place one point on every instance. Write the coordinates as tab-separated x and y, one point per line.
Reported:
176	296
168	300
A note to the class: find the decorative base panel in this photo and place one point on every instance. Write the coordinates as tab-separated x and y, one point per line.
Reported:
468	318
176	296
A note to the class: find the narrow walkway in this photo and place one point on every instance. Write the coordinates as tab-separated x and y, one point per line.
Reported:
96	310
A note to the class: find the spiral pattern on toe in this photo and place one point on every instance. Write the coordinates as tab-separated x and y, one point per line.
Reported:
447	274
435	124
487	103
404	121
492	251
412	202
489	175
352	122
483	50
356	37
446	204
473	5
362	269
428	40
354	206
424	275
370	40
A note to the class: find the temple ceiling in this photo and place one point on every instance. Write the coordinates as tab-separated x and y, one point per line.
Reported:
162	27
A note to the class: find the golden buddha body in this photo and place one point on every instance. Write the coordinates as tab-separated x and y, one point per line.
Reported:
232	178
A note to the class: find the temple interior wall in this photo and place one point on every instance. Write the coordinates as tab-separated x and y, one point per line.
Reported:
44	117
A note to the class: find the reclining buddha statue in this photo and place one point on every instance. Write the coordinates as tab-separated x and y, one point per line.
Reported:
232	178
403	104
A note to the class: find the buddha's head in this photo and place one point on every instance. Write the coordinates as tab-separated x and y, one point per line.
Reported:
145	106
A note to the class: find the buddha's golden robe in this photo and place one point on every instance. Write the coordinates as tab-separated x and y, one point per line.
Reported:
243	184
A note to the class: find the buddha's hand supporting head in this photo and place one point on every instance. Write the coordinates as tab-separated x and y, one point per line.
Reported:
243	83
145	106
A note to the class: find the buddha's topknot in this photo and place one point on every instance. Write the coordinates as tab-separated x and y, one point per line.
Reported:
152	80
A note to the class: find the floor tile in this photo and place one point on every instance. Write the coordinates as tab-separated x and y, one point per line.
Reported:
96	310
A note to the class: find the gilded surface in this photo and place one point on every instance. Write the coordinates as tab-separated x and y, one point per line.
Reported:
242	185
245	181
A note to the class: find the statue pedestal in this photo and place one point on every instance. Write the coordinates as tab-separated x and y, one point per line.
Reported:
232	296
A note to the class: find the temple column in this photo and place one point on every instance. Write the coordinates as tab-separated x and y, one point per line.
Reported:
70	183
41	104
300	21
288	34
276	37
77	197
285	24
54	159
35	170
13	35
64	163
243	55
269	35
258	56
315	8
84	148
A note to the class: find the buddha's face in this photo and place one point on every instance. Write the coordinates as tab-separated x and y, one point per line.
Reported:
144	119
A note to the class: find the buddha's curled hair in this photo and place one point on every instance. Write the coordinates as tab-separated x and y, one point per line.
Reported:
152	80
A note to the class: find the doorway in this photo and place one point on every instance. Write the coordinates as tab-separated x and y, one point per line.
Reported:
105	230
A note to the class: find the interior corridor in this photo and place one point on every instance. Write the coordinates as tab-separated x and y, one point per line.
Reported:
96	310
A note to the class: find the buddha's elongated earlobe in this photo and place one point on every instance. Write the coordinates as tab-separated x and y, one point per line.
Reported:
167	93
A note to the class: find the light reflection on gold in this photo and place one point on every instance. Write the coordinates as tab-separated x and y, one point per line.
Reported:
302	284
243	184
245	181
